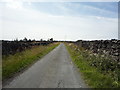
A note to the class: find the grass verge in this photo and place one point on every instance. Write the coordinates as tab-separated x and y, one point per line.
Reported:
93	76
14	63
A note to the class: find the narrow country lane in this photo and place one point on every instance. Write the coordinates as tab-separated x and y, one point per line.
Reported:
55	70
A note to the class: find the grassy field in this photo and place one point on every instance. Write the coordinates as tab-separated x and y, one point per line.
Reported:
14	63
94	68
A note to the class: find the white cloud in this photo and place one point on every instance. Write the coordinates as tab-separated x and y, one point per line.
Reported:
29	3
14	4
20	23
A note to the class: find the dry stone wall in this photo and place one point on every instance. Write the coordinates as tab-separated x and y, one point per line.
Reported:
108	47
11	47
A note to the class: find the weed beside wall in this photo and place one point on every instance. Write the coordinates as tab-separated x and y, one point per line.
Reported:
106	54
99	70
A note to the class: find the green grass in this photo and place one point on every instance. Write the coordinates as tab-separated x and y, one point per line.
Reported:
14	63
93	75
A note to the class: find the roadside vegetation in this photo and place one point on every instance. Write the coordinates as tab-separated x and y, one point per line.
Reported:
99	71
14	63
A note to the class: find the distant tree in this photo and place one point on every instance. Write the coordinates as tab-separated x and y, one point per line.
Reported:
21	40
51	39
41	40
25	39
16	40
29	40
33	40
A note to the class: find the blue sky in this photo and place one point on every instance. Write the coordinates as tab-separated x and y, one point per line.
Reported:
59	20
104	9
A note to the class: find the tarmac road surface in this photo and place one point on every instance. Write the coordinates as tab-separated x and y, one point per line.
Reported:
55	70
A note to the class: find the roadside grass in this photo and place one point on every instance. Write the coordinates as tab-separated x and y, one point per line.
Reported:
14	63
93	75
